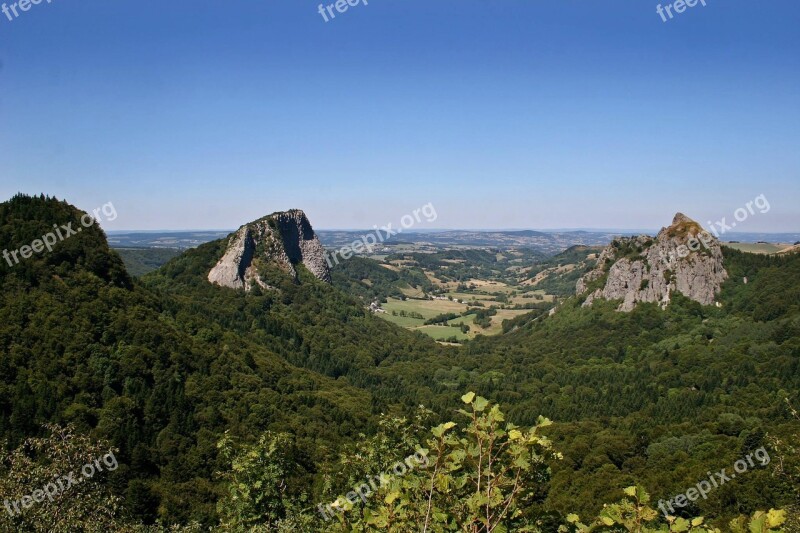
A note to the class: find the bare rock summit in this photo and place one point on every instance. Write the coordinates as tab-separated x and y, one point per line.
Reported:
682	257
285	239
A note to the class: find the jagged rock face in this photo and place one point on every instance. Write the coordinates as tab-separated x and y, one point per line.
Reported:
682	258
286	239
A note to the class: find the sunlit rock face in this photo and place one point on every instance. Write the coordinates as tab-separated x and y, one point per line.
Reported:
285	239
682	257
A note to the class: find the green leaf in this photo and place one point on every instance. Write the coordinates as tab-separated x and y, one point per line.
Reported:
497	414
481	403
681	524
611	515
468	397
439	430
759	523
776	518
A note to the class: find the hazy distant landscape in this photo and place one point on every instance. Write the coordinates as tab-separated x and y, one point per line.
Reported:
546	242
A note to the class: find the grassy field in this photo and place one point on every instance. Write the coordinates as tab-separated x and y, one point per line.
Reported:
489	286
463	320
412	292
496	326
497	321
529	297
485	291
757	248
426	308
468	296
519	299
431	308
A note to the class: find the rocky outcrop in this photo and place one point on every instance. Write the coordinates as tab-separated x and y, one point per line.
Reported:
286	239
682	257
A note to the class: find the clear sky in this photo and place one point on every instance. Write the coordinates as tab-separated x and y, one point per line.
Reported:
502	113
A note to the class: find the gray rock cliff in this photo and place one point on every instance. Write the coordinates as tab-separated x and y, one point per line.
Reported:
682	257
286	239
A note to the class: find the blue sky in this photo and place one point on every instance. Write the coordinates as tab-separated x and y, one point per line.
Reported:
503	113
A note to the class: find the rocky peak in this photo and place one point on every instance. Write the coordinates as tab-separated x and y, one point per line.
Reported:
682	257
680	218
284	238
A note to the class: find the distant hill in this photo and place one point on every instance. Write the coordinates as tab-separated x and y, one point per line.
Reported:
181	240
545	242
551	242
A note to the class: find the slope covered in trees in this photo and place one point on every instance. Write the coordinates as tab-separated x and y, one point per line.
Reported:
163	367
162	373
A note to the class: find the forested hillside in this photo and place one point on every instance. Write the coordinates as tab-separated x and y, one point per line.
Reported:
140	261
162	370
181	377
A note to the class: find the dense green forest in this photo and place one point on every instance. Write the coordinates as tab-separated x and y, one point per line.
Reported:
188	380
350	276
140	261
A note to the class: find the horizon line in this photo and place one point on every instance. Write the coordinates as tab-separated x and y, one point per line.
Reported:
432	230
